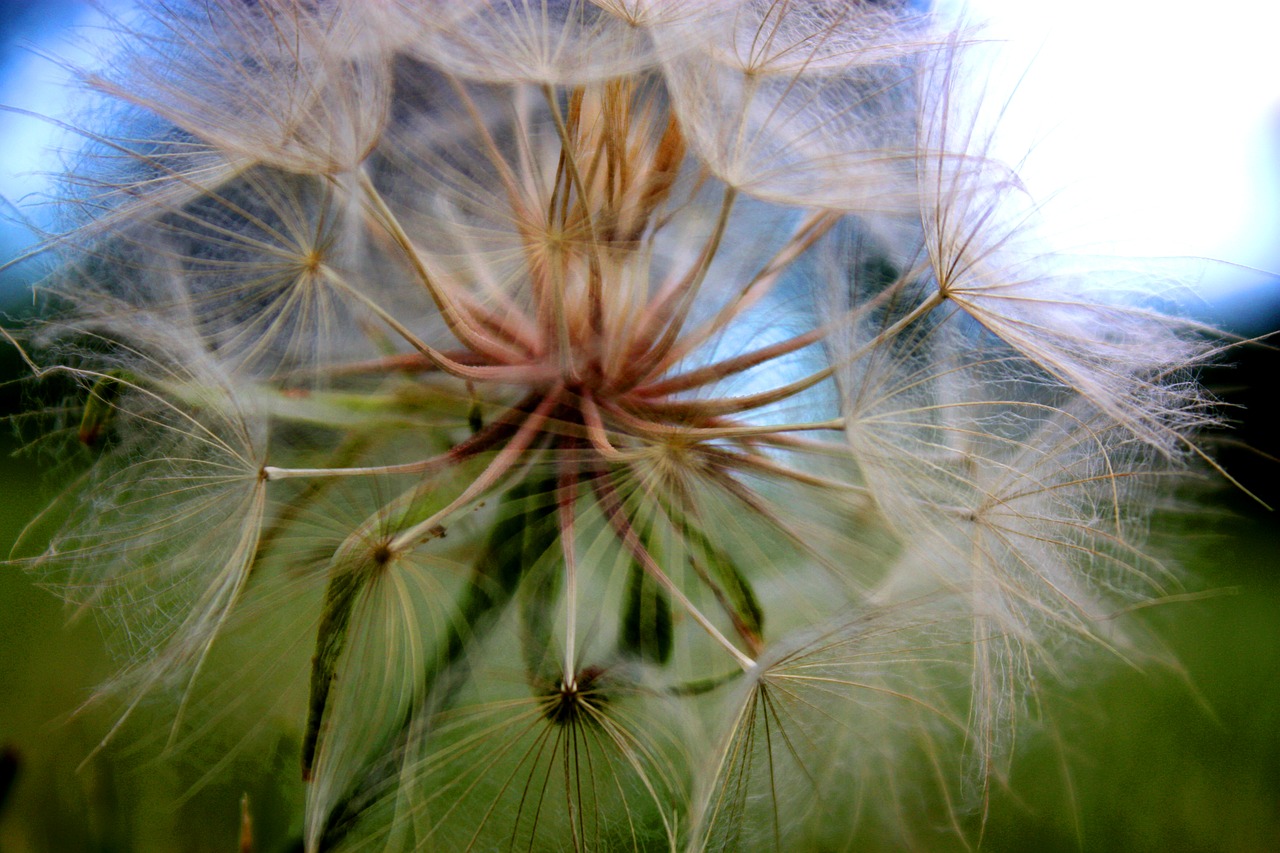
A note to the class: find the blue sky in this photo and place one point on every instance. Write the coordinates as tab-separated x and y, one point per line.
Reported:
1153	129
31	34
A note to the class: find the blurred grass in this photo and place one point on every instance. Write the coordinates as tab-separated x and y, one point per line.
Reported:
1126	760
125	798
1158	760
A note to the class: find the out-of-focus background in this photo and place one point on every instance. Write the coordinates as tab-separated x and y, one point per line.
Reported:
1154	130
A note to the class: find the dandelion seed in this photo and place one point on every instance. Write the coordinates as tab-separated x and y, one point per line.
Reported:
275	82
874	685
1100	332
160	535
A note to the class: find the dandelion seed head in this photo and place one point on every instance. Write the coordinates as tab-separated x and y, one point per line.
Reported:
634	423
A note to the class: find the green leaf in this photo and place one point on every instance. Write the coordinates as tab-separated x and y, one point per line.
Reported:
719	572
647	625
647	629
533	531
524	531
100	408
345	584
